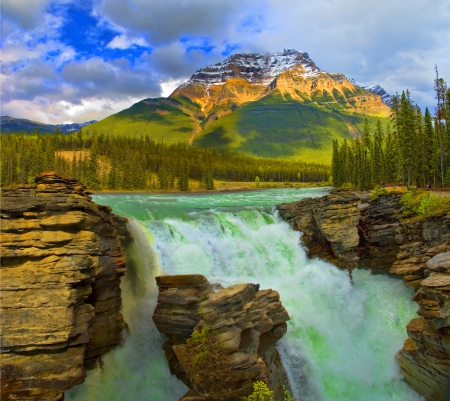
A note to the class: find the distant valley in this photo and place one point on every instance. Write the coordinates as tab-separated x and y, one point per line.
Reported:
11	124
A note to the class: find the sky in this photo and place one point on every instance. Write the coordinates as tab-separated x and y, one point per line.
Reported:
79	60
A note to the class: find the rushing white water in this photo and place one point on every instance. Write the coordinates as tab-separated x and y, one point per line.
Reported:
341	339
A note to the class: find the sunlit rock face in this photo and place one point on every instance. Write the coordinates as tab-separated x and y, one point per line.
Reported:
248	77
60	296
378	237
243	324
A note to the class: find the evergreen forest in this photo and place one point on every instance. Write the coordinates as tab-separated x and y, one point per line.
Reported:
124	163
412	149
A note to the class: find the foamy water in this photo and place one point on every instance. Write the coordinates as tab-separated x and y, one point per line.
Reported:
341	338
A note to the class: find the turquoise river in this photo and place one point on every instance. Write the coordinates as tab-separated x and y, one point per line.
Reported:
342	337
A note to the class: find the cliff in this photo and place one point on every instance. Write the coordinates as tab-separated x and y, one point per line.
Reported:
351	230
220	340
61	265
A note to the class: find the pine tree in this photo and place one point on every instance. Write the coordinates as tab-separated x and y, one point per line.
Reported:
208	180
335	165
377	160
183	179
93	171
163	179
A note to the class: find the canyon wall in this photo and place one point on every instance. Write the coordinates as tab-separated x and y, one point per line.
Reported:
220	340
61	265
350	230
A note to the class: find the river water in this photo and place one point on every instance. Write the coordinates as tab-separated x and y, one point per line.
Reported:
341	338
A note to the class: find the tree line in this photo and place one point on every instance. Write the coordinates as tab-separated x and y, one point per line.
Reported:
119	162
413	148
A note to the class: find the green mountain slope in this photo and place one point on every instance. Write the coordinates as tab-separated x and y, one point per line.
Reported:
274	127
164	120
275	105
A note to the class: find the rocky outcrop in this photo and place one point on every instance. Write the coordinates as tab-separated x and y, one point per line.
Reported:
328	225
61	265
425	357
220	340
374	234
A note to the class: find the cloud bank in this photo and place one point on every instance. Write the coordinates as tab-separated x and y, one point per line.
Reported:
69	60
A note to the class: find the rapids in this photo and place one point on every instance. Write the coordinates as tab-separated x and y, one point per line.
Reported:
341	340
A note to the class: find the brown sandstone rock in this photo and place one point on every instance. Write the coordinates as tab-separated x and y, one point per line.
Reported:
60	270
417	249
244	323
329	226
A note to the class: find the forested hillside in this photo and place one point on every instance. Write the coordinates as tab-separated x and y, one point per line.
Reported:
103	162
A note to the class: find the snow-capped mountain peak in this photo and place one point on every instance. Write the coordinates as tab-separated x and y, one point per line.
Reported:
255	68
377	89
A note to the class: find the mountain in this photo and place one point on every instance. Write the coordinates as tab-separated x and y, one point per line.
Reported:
274	105
377	89
11	124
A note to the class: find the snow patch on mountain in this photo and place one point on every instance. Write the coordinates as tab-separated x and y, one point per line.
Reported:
255	68
377	89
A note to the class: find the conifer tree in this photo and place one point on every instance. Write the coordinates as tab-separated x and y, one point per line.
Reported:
183	179
377	159
335	165
208	180
93	171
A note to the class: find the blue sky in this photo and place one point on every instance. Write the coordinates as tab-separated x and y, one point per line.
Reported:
65	60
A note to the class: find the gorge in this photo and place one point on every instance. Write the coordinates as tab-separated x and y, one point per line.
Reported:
342	336
335	347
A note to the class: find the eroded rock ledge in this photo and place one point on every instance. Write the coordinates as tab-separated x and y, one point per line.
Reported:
242	324
350	230
61	264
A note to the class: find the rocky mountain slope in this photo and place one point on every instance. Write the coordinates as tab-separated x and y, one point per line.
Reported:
61	264
220	340
274	105
351	230
11	124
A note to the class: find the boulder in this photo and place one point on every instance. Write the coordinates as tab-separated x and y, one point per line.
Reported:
220	340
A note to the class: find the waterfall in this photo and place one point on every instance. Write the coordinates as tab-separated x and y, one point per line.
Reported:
341	339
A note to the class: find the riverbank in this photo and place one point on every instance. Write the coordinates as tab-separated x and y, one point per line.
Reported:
220	186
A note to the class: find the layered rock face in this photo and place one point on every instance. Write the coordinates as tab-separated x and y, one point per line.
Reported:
234	328
60	296
348	228
328	225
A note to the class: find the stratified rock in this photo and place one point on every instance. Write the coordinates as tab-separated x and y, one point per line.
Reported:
61	265
416	249
329	226
242	325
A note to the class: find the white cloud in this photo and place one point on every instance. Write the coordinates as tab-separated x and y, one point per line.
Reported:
168	87
56	112
395	44
124	42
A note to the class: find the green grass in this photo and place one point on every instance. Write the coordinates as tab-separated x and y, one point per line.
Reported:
157	118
